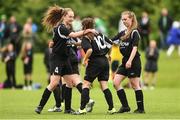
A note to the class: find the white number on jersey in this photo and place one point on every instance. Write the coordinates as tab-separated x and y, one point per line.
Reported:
56	70
100	42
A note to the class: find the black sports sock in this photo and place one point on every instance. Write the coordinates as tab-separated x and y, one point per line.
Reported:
122	97
30	82
63	92
79	87
57	96
68	96
139	99
84	98
25	82
45	97
108	96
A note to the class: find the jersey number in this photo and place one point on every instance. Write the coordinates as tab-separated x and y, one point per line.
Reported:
100	42
56	70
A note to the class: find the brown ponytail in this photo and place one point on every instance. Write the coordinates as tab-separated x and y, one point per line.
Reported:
53	16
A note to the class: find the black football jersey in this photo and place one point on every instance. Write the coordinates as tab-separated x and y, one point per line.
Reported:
60	37
127	45
100	45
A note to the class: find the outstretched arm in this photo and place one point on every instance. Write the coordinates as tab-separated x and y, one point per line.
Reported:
81	33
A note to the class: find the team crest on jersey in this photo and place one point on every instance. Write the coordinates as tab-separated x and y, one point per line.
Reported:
124	44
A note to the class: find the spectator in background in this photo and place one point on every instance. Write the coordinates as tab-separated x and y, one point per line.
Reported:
173	38
14	31
100	26
27	58
3	29
165	23
151	67
144	25
28	35
9	57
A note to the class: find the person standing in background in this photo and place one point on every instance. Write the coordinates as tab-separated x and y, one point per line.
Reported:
27	58
144	26
14	31
151	67
9	57
164	24
173	38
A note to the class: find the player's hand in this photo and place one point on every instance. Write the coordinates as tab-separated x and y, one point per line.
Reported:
93	31
85	62
26	60
51	43
7	59
128	64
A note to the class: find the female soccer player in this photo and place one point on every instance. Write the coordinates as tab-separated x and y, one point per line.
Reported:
96	47
72	76
58	20
131	63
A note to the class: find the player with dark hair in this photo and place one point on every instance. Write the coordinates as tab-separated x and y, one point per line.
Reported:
97	65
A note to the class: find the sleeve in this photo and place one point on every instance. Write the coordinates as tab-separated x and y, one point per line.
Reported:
108	42
116	39
63	31
85	44
135	38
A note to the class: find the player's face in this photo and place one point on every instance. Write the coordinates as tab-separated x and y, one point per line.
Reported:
126	20
69	17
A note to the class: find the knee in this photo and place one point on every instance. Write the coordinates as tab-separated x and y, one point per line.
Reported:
52	85
135	85
86	84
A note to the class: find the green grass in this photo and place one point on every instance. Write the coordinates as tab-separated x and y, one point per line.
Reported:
161	103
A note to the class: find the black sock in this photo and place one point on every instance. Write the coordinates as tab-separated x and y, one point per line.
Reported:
139	99
26	82
79	87
30	82
45	97
84	98
68	96
122	97
108	96
57	96
63	92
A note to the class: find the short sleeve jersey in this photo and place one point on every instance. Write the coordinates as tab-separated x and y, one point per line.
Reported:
60	37
100	45
127	45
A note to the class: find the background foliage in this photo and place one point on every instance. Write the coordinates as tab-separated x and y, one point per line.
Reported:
108	10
